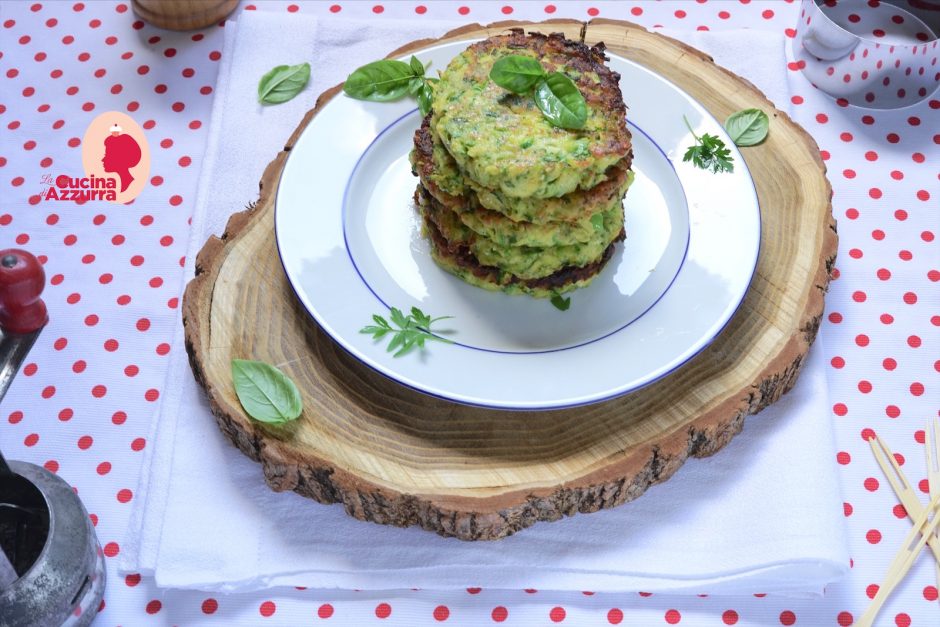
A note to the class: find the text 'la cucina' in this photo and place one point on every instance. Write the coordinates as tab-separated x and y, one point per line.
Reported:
82	189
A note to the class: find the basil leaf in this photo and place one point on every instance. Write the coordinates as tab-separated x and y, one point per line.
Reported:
266	393
414	85
560	101
748	127
416	66
560	302
425	95
517	73
283	83
379	81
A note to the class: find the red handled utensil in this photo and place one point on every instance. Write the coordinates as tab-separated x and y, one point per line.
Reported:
22	312
51	565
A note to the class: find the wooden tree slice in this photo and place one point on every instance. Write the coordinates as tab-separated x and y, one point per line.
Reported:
394	456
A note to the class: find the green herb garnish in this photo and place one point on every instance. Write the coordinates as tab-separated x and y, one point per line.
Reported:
425	94
412	331
561	302
556	95
283	83
266	393
597	220
709	153
747	127
517	73
388	79
560	101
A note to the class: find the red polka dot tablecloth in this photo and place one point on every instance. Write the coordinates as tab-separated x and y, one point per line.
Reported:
82	403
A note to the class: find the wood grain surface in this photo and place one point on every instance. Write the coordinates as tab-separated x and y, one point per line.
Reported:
394	456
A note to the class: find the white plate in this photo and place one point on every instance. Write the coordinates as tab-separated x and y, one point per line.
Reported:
349	238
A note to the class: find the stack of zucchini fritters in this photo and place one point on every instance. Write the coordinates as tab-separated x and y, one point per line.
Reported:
509	201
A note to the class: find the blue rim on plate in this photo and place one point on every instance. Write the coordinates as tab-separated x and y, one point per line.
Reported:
365	282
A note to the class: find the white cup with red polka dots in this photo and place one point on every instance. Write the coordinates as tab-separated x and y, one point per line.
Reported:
876	54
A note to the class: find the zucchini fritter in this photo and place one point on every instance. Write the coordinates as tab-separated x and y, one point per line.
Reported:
524	262
502	141
441	176
459	261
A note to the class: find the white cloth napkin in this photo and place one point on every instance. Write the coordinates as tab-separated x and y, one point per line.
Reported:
761	516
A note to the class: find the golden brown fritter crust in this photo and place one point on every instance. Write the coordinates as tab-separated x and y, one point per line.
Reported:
460	254
557	53
559	282
526	262
503	142
440	175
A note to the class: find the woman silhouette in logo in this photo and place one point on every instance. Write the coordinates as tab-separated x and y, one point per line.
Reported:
121	153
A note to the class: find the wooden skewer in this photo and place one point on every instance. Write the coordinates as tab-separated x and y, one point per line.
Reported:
922	530
901	486
933	474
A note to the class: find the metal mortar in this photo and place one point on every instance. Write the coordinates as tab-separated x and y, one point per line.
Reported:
51	565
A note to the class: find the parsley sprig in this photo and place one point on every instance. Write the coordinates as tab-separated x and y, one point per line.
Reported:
410	332
709	152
